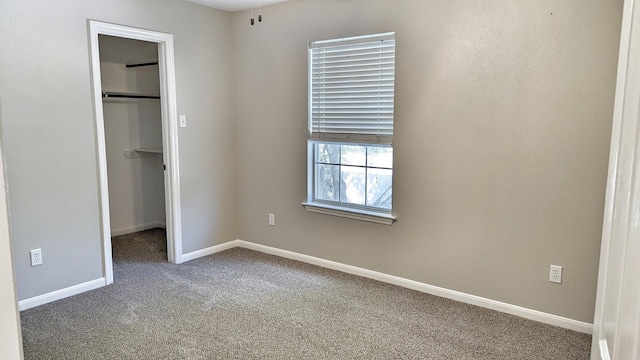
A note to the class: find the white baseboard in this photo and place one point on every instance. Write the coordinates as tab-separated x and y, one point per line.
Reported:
61	294
390	279
426	288
209	251
136	228
94	284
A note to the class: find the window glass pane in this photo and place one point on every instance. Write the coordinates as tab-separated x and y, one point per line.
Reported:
379	156
328	182
354	155
379	189
353	187
328	153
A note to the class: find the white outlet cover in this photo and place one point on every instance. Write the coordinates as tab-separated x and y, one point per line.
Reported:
36	257
555	274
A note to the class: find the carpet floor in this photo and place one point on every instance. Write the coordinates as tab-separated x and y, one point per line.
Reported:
242	304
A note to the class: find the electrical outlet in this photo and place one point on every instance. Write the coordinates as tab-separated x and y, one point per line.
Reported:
555	274
272	220
36	257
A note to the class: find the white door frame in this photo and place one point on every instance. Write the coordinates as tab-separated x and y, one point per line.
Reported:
616	334
169	136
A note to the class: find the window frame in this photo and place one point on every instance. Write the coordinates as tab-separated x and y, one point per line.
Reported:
339	208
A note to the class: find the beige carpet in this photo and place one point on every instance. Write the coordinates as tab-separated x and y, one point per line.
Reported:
241	304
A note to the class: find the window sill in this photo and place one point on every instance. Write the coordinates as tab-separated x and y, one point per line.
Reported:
363	215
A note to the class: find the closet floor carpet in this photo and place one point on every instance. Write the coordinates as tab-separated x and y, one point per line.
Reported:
241	304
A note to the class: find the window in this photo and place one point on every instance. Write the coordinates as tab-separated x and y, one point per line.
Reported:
351	113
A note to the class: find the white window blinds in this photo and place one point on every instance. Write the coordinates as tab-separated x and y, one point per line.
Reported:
351	89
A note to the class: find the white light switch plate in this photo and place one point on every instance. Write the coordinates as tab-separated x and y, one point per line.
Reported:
183	121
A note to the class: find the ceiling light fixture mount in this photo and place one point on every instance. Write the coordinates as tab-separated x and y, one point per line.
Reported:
253	19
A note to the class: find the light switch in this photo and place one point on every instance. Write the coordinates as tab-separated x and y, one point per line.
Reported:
183	121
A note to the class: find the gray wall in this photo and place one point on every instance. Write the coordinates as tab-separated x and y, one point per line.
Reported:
48	130
503	117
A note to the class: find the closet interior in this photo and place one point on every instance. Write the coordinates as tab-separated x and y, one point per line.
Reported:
133	134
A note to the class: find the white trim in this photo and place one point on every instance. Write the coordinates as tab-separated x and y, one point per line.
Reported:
348	40
355	214
61	294
107	265
389	279
169	135
616	333
426	288
170	147
604	350
136	228
209	251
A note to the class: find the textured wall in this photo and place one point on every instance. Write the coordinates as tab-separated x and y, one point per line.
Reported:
48	130
503	117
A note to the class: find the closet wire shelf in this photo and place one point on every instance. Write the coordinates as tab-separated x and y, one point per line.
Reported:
139	152
112	95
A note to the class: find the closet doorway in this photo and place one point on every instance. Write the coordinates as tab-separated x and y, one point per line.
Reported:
137	134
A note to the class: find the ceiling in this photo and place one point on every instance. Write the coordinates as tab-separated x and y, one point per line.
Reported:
235	5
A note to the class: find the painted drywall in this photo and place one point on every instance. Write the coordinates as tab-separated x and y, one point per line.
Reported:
136	185
503	116
10	334
48	129
502	128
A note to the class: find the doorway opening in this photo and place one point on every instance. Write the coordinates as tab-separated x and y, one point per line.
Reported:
137	134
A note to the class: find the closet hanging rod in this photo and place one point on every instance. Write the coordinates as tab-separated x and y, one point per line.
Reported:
114	95
145	63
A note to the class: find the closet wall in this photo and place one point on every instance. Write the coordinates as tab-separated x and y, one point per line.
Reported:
133	132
